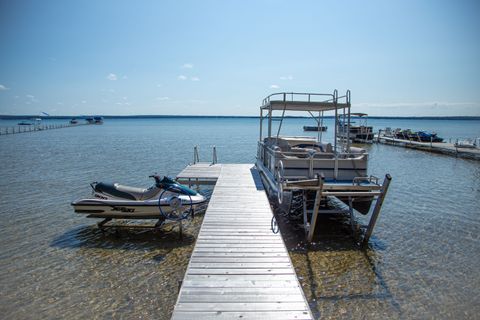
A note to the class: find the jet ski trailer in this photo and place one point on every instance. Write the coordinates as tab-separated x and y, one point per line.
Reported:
303	174
166	200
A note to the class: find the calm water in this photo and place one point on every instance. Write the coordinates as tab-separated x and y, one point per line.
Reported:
422	262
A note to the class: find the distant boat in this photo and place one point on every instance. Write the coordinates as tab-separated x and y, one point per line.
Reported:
421	136
467	143
98	120
361	133
90	120
73	121
31	122
25	123
315	128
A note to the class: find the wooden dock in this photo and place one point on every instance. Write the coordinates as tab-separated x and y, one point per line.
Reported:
436	147
33	128
239	268
204	173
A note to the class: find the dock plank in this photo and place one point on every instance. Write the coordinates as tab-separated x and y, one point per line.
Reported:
269	315
239	268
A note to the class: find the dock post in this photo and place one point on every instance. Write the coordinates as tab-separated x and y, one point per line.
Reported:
352	214
376	210
180	229
316	207
195	155
306	225
214	156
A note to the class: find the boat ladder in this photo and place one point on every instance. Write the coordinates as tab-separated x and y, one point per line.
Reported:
196	157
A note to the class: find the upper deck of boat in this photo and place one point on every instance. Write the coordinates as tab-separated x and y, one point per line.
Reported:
311	102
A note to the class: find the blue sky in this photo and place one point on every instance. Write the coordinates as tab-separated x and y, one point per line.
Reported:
223	57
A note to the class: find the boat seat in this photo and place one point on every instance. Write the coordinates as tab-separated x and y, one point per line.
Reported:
126	192
356	150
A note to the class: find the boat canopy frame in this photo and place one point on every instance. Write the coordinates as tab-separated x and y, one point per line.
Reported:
308	102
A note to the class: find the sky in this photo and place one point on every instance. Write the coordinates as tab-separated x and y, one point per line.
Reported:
398	58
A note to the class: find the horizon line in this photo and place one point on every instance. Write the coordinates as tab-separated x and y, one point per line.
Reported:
7	117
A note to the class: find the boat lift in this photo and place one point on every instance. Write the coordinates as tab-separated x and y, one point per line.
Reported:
361	187
353	190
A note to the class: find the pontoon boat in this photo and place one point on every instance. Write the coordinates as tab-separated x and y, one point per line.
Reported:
361	133
296	170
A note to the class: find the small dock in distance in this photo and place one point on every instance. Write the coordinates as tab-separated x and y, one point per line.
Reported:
239	268
436	147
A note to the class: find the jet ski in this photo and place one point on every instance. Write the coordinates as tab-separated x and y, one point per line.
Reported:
166	200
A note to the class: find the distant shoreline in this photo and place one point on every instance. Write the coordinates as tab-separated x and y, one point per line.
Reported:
20	117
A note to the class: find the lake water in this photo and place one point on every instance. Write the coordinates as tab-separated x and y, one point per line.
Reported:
422	262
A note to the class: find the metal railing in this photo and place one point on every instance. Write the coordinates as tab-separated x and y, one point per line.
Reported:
299	96
196	157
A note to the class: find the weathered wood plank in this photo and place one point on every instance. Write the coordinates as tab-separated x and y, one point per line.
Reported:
241	298
239	284
260	254
238	265
240	245
238	237
257	260
243	241
239	291
242	306
240	250
242	278
264	315
240	271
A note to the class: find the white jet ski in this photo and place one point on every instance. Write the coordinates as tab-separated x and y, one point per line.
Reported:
166	199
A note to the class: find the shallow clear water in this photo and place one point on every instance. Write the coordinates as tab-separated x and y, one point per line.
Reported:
422	262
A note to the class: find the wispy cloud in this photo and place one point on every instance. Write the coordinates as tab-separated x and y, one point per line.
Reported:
190	101
195	78
274	86
30	99
163	98
289	77
187	66
112	77
3	88
182	77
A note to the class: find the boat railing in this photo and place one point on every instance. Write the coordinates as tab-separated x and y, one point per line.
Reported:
308	153
299	96
271	158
